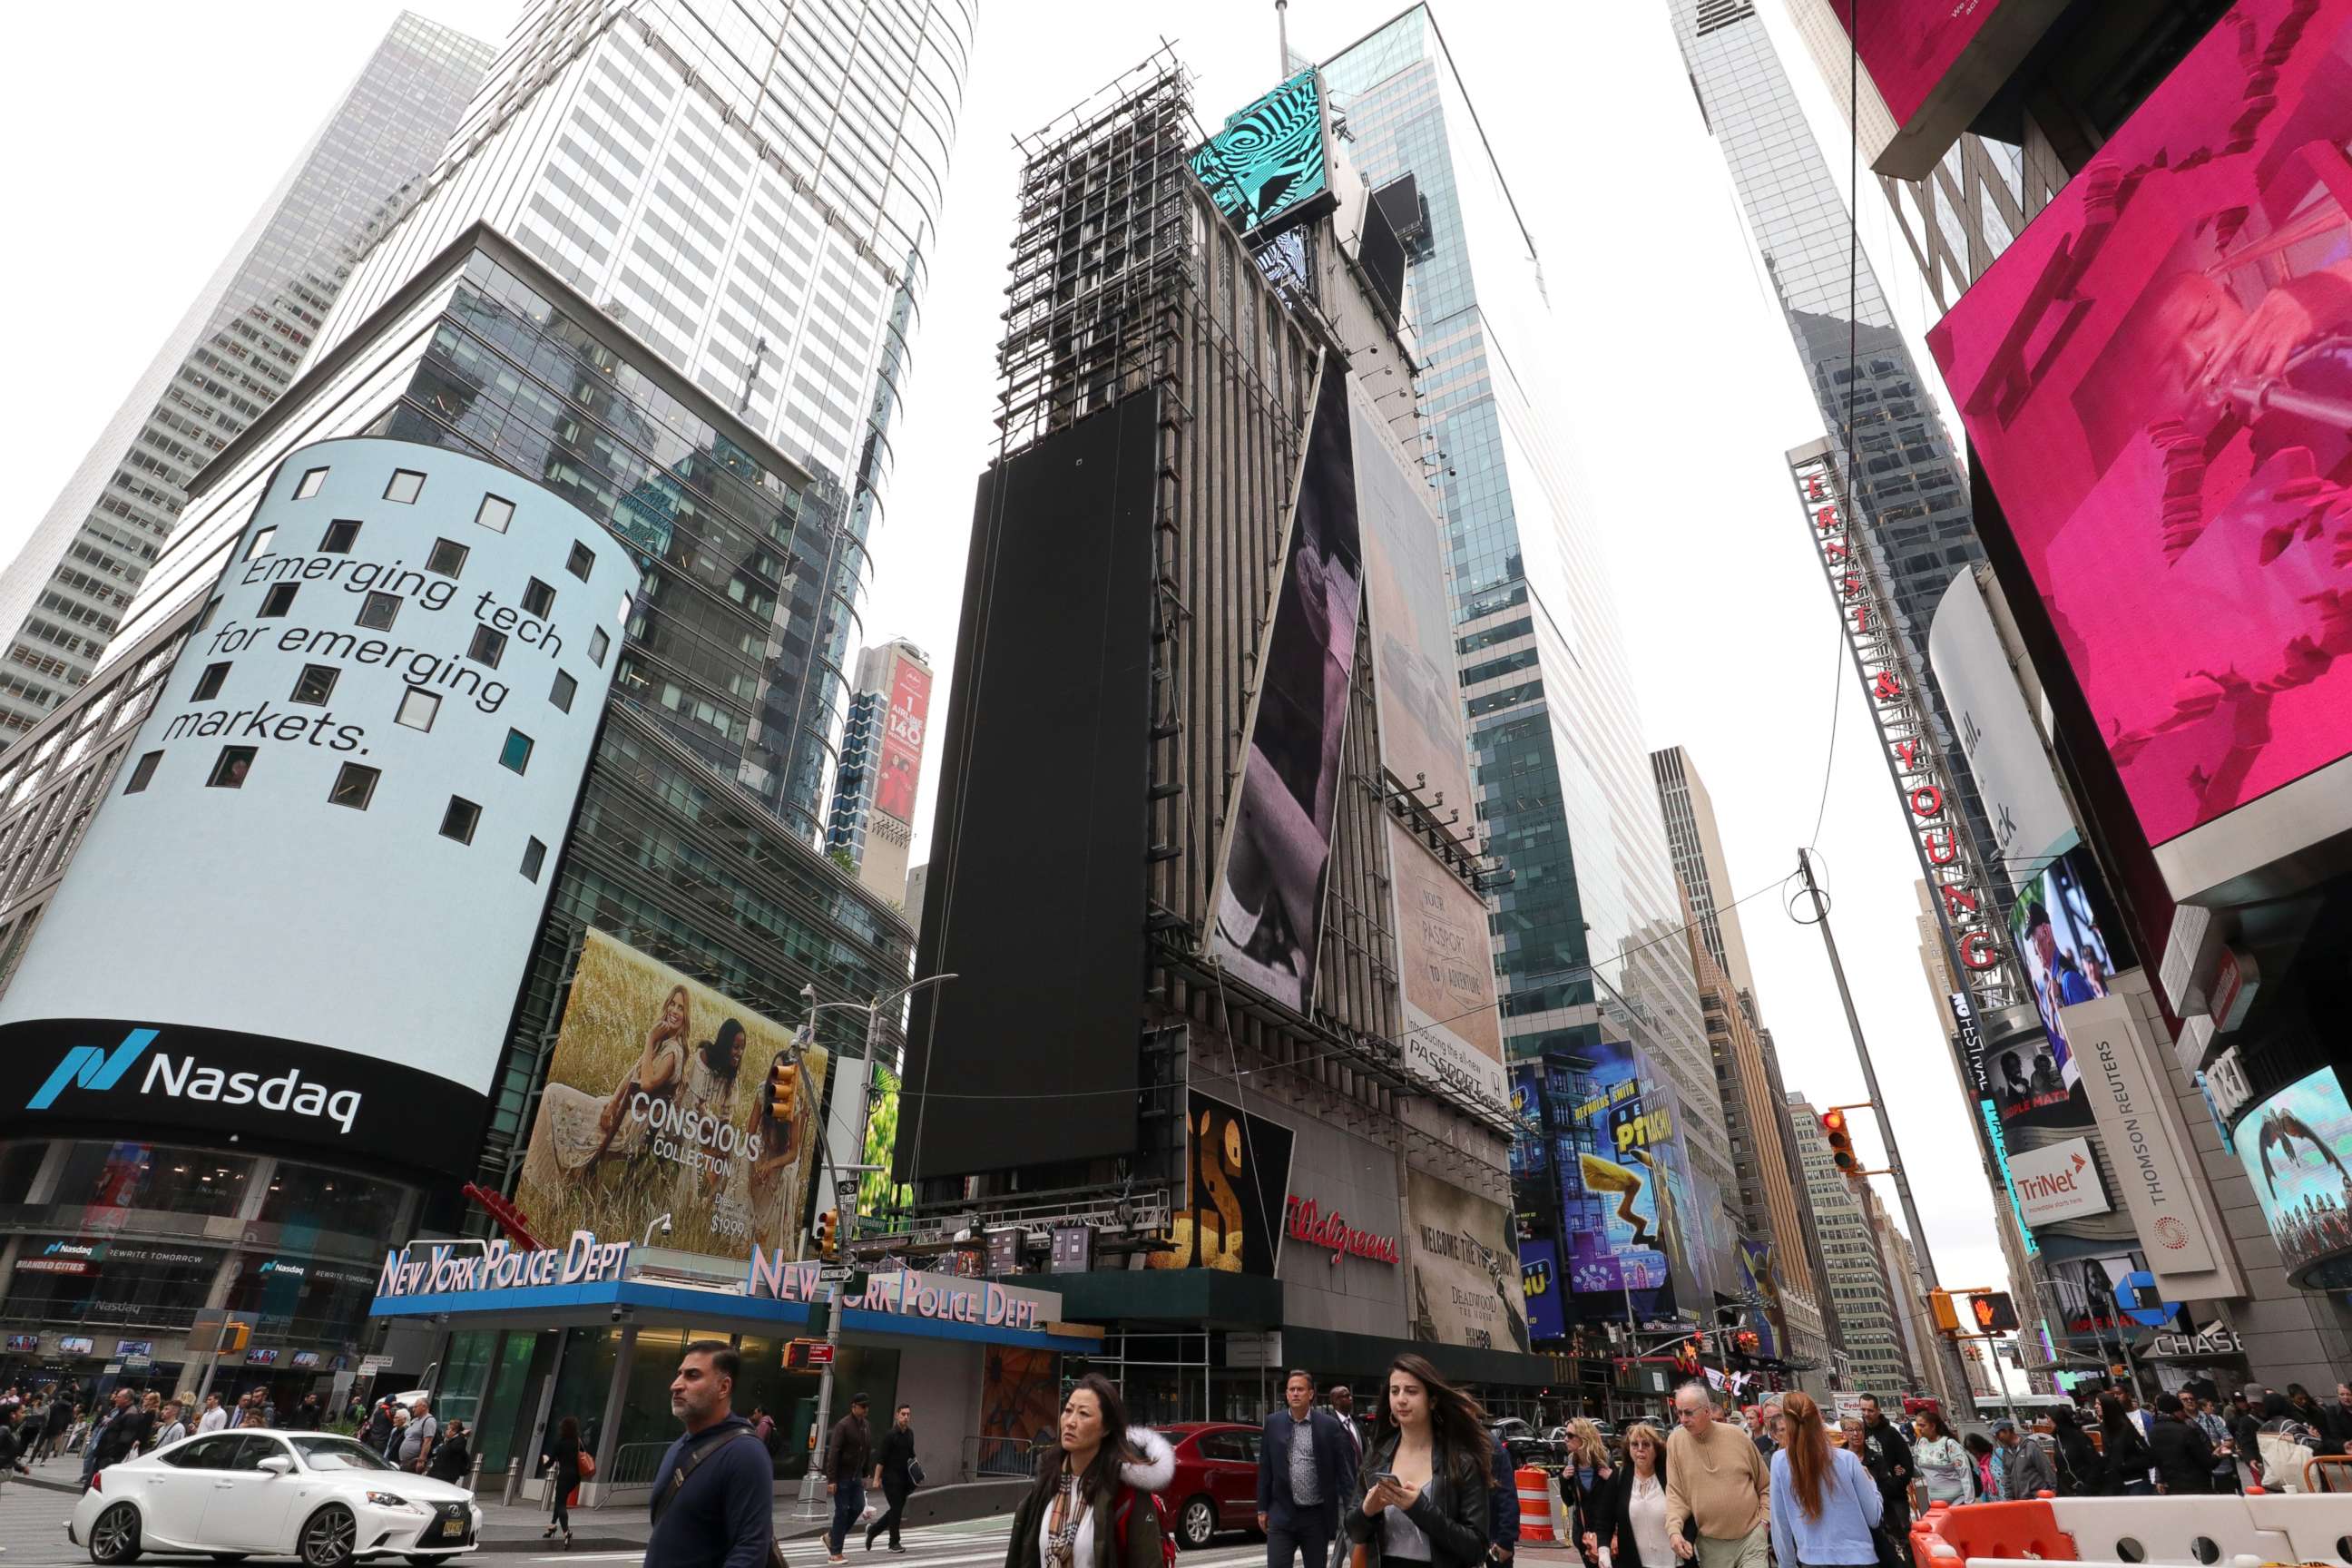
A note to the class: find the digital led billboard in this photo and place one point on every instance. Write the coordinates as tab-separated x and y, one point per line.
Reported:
1269	925
1236	1177
1906	45
1268	168
902	741
2071	947
2157	376
2297	1151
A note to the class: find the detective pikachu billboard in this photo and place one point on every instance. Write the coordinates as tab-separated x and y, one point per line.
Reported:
1236	1174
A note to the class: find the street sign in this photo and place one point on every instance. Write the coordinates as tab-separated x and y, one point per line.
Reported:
820	1354
834	1273
844	1192
1254	1348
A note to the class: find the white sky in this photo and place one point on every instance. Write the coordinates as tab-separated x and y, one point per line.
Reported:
1685	393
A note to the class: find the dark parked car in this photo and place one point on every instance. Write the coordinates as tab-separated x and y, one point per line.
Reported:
1216	1478
1527	1445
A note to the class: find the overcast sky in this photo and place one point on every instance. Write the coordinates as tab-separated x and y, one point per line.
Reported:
138	167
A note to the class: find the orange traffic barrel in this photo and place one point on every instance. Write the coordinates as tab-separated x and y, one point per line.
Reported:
1534	1506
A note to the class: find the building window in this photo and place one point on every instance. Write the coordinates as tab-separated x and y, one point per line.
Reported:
448	558
260	545
418	708
597	645
354	786
488	648
406	485
230	767
538	599
212	607
516	753
342	534
560	695
311	479
582	562
534	853
316	685
377	611
496	512
461	820
141	771
278	600
209	683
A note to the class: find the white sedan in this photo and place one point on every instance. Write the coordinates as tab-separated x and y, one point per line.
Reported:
230	1495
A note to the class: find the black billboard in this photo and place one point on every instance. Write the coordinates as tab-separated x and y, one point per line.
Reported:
1236	1191
1036	894
59	1075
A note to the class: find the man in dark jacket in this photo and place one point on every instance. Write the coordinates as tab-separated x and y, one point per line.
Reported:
848	1455
114	1438
892	1458
1305	1466
714	1497
1502	1509
1887	1440
2184	1459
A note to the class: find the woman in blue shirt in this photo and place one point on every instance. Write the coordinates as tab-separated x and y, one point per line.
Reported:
1826	1507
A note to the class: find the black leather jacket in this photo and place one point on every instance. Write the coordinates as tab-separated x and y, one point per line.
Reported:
1451	1514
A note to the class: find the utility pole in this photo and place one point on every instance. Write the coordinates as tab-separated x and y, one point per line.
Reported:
1282	38
811	1483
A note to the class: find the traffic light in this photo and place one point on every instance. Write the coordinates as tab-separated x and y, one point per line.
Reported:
828	1234
235	1337
1995	1314
1841	1137
1947	1316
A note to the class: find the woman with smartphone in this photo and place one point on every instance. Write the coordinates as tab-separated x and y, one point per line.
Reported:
1427	1475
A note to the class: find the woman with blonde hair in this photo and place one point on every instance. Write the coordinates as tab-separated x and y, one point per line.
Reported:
1589	1477
1638	1504
1826	1507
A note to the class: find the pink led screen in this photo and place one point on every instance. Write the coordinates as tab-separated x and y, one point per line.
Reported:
1906	45
2157	378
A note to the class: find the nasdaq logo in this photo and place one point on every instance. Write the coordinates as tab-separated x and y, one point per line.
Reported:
87	1067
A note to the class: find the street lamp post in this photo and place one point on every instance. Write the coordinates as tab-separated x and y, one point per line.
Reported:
812	1483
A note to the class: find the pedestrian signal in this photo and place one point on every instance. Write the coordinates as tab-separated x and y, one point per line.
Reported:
1995	1314
1841	1137
235	1337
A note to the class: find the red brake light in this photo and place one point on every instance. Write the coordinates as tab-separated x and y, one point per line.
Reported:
98	1480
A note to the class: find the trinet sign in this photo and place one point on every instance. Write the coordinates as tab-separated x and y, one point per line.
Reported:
2058	1182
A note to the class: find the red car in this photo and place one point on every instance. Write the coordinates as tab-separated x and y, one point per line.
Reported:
1216	1478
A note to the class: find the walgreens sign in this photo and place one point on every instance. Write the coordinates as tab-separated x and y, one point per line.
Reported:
2058	1182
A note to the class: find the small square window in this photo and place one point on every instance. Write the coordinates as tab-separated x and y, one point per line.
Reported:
209	683
311	479
538	599
260	545
278	600
488	648
406	485
377	611
418	708
461	820
448	558
316	685
598	647
144	769
354	786
341	535
496	512
563	691
212	608
516	753
534	855
230	767
582	562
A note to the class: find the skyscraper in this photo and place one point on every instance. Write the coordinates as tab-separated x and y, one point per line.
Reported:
1856	1278
872	823
1906	475
750	191
238	345
1585	924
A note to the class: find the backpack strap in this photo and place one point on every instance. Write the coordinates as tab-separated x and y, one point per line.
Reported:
693	1461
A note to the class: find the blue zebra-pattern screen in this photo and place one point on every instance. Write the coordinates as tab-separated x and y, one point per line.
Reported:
1268	162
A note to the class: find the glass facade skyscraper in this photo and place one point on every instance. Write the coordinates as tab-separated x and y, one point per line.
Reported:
1908	478
1587	926
749	188
239	344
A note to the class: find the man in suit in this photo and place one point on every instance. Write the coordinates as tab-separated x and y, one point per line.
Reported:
1305	1470
1343	1406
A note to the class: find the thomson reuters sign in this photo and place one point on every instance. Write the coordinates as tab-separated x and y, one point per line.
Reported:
2059	1181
